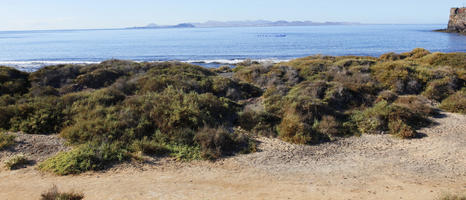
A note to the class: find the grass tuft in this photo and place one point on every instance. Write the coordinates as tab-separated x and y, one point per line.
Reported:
16	162
6	140
54	194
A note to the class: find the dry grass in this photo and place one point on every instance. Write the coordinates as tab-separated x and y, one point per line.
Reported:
54	194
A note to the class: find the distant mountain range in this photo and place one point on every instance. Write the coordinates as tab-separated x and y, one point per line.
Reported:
257	23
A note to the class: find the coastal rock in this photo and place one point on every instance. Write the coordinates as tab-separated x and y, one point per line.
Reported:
457	21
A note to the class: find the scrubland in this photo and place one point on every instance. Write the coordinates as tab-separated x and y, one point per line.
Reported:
119	111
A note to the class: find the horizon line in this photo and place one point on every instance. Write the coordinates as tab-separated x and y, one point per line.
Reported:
135	27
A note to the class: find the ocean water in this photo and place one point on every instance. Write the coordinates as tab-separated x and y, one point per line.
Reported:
29	50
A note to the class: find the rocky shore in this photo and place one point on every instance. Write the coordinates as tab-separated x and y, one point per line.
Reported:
457	22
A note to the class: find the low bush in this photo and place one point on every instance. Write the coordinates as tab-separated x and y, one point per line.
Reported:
299	123
222	69
149	147
293	129
416	53
401	129
16	162
215	142
455	102
267	75
330	126
417	104
457	60
390	118
84	158
6	140
392	56
387	96
398	76
36	116
440	89
258	122
13	81
54	194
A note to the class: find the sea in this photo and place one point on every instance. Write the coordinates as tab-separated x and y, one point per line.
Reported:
212	47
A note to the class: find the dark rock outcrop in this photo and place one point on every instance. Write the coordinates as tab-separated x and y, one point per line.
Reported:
457	21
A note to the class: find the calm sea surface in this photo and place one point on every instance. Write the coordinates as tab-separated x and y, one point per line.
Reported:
32	49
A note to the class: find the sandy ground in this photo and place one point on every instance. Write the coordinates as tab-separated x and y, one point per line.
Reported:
366	167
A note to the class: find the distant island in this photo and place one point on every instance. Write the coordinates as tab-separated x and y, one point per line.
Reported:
247	23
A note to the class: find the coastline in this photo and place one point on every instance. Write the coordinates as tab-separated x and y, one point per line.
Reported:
447	31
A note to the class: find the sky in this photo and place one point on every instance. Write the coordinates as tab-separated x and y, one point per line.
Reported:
78	14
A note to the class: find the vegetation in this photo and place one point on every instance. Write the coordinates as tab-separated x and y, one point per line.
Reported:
16	162
116	110
83	158
6	140
455	102
451	197
54	194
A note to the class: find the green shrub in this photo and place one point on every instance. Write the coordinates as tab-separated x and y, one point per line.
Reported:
215	142
222	69
300	120
416	104
55	76
17	161
226	87
392	56
293	129
54	194
273	99
180	76
340	97
84	158
455	102
348	62
37	116
173	109
401	129
99	125
457	60
6	140
391	118
398	76
330	126
372	120
7	100
184	152
39	91
416	53
149	147
440	89
98	78
267	75
258	122
387	96
13	81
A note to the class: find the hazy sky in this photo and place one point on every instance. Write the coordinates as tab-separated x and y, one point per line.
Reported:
69	14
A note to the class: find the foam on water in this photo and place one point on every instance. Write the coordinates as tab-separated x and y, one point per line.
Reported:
30	66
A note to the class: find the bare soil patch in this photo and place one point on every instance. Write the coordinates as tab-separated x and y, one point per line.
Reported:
36	147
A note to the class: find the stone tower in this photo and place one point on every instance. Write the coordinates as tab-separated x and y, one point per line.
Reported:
457	21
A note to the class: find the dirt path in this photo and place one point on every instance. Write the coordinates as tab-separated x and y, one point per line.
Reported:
367	167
